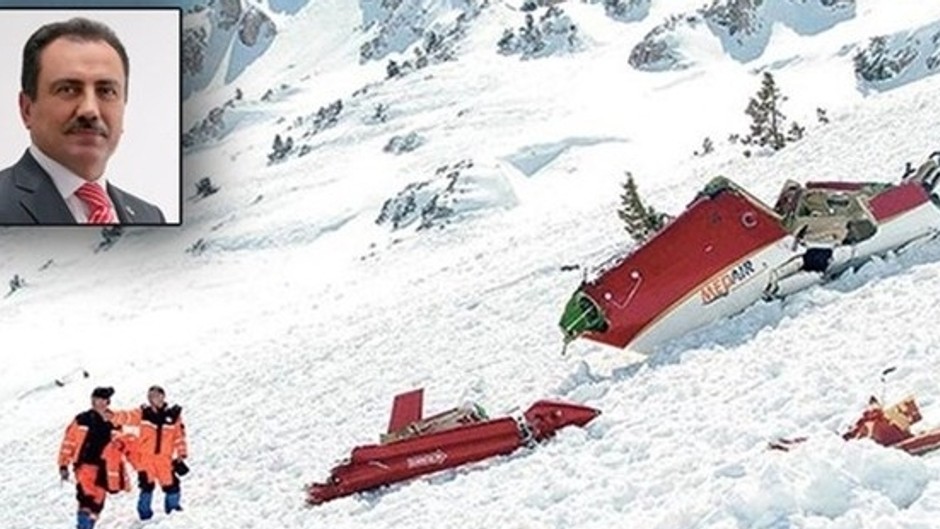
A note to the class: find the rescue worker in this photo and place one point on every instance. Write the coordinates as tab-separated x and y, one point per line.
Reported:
161	450
88	439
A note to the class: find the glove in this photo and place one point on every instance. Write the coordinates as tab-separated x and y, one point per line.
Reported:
64	473
180	468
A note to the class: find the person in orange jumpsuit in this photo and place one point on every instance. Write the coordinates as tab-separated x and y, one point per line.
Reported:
160	452
97	456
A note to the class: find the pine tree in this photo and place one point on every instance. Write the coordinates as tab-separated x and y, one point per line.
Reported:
204	187
392	70
639	221
768	120
507	43
656	220
708	146
109	236
380	113
796	132
16	283
821	116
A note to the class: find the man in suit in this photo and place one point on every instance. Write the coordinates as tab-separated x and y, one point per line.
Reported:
73	93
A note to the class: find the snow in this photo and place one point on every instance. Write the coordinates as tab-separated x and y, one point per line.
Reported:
286	339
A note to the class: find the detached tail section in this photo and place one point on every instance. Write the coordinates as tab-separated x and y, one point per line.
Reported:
416	446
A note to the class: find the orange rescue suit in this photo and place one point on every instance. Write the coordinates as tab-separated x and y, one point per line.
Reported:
98	452
162	439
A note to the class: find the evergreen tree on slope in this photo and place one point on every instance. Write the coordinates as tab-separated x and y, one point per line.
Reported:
641	222
767	120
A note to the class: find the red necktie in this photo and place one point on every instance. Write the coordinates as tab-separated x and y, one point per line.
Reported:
99	205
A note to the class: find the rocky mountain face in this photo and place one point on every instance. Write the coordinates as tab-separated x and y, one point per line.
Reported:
550	32
221	29
419	33
661	48
413	34
398	25
889	61
626	10
743	28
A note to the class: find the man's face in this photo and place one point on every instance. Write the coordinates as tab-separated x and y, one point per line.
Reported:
77	117
99	404
156	398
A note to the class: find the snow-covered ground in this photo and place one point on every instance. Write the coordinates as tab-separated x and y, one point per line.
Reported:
288	331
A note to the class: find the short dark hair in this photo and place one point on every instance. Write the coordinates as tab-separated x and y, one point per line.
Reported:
157	389
102	392
78	29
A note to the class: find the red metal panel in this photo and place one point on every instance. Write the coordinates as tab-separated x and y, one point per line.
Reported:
713	234
374	465
545	417
370	466
921	444
900	199
431	441
406	409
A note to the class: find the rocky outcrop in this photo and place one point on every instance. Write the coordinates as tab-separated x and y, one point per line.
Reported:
214	126
222	32
195	42
660	49
626	10
743	28
742	25
455	192
230	12
552	33
401	24
889	61
403	144
254	26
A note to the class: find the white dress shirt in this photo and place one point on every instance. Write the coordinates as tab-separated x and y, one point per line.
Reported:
67	183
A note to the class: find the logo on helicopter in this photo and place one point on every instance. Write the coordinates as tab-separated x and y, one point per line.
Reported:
427	459
723	284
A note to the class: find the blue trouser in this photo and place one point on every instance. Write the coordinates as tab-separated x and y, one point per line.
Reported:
143	505
171	498
171	502
85	521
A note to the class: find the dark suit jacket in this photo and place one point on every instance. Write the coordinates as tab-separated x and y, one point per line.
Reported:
28	196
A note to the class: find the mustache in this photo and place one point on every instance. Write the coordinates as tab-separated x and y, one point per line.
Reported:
81	124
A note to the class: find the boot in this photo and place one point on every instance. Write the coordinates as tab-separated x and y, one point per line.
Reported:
85	520
171	502
143	505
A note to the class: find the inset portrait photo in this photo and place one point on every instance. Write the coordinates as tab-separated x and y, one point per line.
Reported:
90	117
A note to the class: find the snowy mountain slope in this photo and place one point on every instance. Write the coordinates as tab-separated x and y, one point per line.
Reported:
287	336
222	39
744	29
